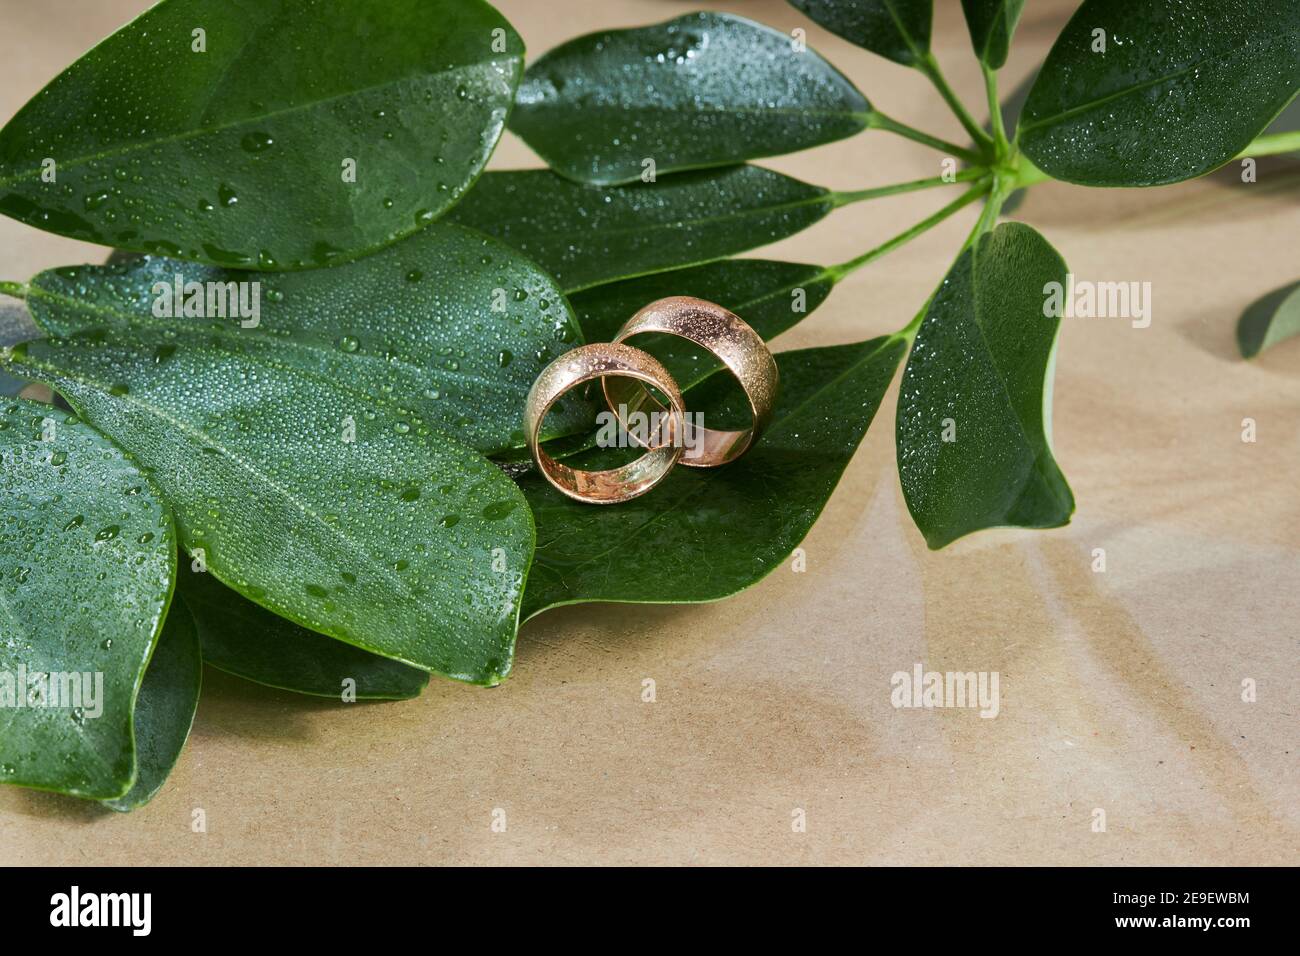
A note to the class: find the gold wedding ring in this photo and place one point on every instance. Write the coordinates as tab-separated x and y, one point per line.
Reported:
619	362
728	337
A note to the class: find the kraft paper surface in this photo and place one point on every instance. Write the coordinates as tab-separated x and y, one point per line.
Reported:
1120	692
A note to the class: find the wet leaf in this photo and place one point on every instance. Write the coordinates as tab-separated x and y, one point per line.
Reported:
1269	320
246	640
896	29
306	132
311	498
1182	87
717	531
975	405
449	324
704	89
164	712
586	235
87	559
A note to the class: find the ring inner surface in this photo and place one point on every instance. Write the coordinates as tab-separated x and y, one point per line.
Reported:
704	447
627	481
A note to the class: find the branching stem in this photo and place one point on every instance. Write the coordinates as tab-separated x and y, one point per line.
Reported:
876	192
930	67
1000	145
871	255
879	120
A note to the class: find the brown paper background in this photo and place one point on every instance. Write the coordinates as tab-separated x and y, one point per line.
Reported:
1119	691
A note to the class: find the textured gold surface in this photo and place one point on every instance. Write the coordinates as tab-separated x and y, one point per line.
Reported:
736	345
583	364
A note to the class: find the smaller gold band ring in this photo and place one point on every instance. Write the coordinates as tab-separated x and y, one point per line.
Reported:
740	349
589	362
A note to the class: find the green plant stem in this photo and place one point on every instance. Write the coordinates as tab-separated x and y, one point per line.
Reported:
871	255
16	289
879	120
876	192
1000	145
908	332
989	214
1271	145
930	67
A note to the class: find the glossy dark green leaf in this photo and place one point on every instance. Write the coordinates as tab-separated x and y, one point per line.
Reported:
1269	320
992	23
704	89
311	498
586	235
897	29
164	711
449	324
771	296
87	559
307	132
717	531
246	640
975	406
1182	87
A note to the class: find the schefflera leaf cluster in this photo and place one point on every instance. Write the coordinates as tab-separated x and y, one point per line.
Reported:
340	486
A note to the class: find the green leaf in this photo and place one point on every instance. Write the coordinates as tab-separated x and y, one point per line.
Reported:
165	709
239	156
250	642
713	532
896	29
704	89
1182	87
386	541
586	235
771	296
974	409
992	23
87	558
1269	320
450	324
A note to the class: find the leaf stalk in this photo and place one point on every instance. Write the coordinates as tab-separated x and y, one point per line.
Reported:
894	189
930	67
879	120
838	272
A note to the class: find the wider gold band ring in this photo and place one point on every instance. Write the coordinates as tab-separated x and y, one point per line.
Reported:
624	362
740	349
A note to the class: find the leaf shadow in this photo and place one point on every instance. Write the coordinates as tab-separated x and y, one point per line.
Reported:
1119	644
42	805
232	706
1215	334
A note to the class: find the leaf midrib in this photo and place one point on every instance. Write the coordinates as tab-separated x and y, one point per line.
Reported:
1073	111
251	469
143	145
229	334
822	197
